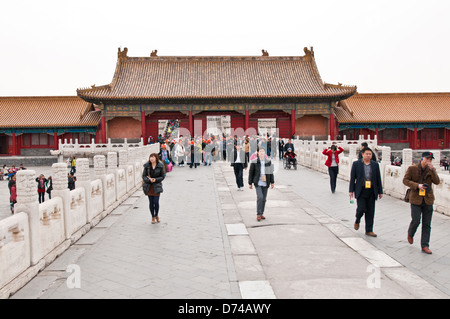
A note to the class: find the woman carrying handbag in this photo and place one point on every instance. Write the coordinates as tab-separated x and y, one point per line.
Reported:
152	176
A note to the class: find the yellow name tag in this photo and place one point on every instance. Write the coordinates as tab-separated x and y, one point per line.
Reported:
421	192
368	184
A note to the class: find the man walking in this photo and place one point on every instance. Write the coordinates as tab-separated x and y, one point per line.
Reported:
419	179
239	163
365	184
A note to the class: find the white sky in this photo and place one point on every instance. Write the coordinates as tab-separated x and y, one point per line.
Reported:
54	47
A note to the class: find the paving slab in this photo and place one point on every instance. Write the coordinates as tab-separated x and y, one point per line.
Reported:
209	245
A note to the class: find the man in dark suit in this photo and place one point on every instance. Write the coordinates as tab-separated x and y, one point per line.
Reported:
239	163
365	184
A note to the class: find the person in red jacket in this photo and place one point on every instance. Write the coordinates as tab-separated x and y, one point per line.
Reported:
13	197
332	163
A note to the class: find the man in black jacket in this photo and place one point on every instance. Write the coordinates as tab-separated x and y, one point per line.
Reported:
365	184
239	163
288	145
261	175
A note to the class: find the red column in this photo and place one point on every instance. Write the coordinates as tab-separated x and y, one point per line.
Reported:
55	141
103	129
292	122
143	125
446	137
332	130
415	139
14	144
191	123
246	121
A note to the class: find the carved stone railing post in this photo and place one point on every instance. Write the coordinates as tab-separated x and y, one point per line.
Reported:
112	169
61	189
406	159
27	202
129	170
84	181
385	160
353	152
100	173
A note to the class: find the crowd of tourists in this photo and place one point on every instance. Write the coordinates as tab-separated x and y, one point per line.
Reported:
44	184
240	151
10	175
201	151
256	154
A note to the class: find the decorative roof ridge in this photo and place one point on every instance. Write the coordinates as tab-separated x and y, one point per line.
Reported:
122	56
416	94
214	58
345	106
339	86
94	88
31	97
87	110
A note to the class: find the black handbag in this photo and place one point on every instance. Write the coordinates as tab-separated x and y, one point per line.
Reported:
408	191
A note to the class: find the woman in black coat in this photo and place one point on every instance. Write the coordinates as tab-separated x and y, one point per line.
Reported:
152	176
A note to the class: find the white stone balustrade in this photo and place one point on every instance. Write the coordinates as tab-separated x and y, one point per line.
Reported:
14	247
38	233
70	148
392	176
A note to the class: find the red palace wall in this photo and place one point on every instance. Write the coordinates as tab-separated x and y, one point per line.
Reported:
124	127
309	125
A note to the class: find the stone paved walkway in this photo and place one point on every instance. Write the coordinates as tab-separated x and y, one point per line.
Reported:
209	245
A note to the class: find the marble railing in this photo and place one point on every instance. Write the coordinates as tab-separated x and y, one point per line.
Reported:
37	233
310	155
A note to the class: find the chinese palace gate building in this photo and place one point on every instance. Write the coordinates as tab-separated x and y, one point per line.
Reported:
145	90
399	120
287	91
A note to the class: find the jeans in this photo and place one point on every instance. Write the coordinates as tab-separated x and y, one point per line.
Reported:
154	205
208	158
366	206
333	171
424	212
261	196
193	161
41	197
239	174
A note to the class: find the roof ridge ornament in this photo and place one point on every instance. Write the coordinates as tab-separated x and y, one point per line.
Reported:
154	53
122	55
309	52
264	53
